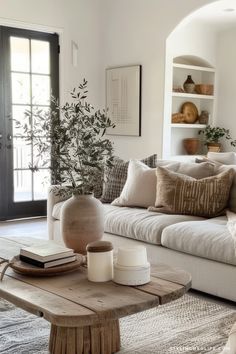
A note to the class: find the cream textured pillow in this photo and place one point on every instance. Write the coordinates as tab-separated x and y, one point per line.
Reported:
140	187
180	194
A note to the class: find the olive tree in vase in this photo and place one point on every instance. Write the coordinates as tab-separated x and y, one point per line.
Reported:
73	138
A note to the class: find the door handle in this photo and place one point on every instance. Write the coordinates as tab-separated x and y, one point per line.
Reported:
9	137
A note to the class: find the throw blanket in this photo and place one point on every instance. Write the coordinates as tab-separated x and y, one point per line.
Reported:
230	347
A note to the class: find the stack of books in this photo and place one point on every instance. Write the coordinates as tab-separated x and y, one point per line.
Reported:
47	255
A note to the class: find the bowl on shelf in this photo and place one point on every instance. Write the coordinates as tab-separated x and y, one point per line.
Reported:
204	89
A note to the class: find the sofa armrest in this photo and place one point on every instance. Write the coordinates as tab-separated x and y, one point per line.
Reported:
56	194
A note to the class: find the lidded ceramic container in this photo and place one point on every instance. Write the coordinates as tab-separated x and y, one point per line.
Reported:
100	261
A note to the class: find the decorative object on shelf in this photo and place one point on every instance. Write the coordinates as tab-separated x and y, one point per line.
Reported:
71	139
190	111
213	135
100	261
204	117
203	89
131	266
123	99
191	145
177	118
178	89
189	85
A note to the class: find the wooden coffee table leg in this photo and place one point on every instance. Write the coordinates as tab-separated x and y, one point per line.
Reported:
98	339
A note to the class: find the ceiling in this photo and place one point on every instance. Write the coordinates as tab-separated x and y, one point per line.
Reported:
221	15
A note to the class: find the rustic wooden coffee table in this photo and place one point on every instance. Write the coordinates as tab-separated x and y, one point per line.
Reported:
84	316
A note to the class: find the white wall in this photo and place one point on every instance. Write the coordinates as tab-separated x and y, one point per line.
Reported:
135	32
113	33
77	20
226	59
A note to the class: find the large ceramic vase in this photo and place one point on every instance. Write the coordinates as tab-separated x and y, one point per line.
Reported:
82	221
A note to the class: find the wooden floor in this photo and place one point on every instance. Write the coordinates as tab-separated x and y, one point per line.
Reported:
36	227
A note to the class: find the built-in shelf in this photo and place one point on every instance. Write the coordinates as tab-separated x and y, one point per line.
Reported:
193	67
185	125
192	95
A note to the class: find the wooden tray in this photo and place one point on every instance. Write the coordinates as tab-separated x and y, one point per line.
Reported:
27	269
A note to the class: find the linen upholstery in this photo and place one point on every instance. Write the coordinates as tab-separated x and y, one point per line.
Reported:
181	194
116	176
138	224
209	239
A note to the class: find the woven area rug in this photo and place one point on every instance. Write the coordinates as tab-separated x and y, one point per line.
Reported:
188	325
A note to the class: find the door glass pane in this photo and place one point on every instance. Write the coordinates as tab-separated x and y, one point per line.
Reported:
41	184
39	115
22	153
41	89
20	88
18	114
40	57
22	186
20	59
39	159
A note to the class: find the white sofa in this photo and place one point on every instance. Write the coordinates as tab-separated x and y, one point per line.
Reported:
203	247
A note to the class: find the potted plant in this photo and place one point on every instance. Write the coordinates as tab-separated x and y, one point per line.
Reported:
71	139
213	135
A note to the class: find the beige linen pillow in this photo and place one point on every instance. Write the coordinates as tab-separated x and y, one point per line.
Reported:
180	194
232	195
226	158
196	170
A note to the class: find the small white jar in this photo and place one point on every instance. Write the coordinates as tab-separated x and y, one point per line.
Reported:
100	261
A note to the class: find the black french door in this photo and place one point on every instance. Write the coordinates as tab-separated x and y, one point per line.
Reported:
29	75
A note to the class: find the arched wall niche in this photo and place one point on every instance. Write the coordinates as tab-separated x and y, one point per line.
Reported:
201	40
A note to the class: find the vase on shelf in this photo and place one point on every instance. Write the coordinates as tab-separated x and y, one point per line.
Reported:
189	85
191	145
203	117
82	221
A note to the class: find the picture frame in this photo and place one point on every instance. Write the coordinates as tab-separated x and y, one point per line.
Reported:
123	99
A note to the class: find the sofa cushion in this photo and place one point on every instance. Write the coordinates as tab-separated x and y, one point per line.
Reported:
180	194
139	224
207	239
116	176
226	158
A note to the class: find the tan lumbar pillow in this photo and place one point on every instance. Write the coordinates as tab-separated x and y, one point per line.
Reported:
181	194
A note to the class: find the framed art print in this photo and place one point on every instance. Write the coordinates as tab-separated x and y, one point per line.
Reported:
123	99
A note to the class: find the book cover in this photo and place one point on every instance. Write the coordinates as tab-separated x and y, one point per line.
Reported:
49	264
47	251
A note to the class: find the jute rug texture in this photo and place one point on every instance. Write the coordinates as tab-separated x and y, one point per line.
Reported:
188	325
